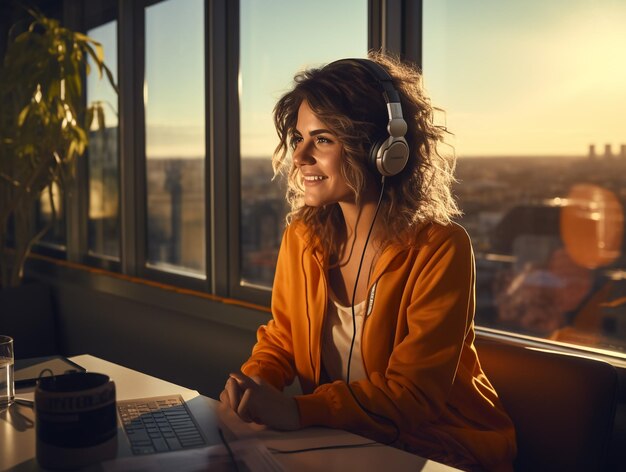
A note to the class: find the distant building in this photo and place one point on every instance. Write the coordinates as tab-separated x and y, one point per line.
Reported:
608	152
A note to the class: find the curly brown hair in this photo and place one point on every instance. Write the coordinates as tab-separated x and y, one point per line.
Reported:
348	99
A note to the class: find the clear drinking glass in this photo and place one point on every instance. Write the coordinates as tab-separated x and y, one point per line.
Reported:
7	387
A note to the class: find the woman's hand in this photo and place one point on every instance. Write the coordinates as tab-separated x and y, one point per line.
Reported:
231	395
257	401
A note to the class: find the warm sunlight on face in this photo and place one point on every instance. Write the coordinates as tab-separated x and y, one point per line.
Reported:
318	155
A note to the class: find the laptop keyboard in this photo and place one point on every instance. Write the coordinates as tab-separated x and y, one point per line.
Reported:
159	424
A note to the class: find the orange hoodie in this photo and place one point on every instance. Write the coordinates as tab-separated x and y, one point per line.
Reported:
422	368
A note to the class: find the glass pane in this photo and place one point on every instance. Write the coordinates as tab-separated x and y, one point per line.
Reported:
534	94
269	58
103	156
50	216
175	136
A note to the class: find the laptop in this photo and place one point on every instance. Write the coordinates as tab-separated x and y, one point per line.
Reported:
165	423
191	437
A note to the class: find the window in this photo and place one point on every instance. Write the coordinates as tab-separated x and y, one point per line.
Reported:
103	157
276	40
175	136
533	92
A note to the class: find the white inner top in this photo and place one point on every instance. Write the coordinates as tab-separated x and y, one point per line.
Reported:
338	330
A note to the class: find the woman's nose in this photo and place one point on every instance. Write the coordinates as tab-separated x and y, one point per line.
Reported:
302	155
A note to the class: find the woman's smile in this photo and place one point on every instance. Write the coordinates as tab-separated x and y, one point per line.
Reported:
313	179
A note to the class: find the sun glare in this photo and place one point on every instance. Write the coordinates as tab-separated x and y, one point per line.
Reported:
553	88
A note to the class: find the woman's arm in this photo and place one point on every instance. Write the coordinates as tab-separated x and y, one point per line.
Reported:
272	357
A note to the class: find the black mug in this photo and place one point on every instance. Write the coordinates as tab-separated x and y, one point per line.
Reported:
76	420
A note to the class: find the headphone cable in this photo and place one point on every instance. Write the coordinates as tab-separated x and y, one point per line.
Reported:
356	282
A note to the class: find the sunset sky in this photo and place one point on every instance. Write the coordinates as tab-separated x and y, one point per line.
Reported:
515	78
531	77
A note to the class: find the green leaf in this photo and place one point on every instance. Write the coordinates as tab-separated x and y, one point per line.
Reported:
99	51
82	37
89	117
110	77
81	134
23	114
96	58
72	148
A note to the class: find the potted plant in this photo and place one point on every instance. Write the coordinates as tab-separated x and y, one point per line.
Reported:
44	124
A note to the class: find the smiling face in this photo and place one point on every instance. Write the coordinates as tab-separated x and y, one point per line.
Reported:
318	155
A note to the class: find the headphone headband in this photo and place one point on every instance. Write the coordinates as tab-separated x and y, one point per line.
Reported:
376	71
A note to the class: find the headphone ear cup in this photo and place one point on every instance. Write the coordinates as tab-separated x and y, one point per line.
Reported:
374	155
388	157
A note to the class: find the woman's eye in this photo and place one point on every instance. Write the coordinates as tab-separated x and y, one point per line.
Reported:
323	140
295	140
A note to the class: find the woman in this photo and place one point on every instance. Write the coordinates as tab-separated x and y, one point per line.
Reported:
373	298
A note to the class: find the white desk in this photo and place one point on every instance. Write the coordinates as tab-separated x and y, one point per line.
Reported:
17	432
